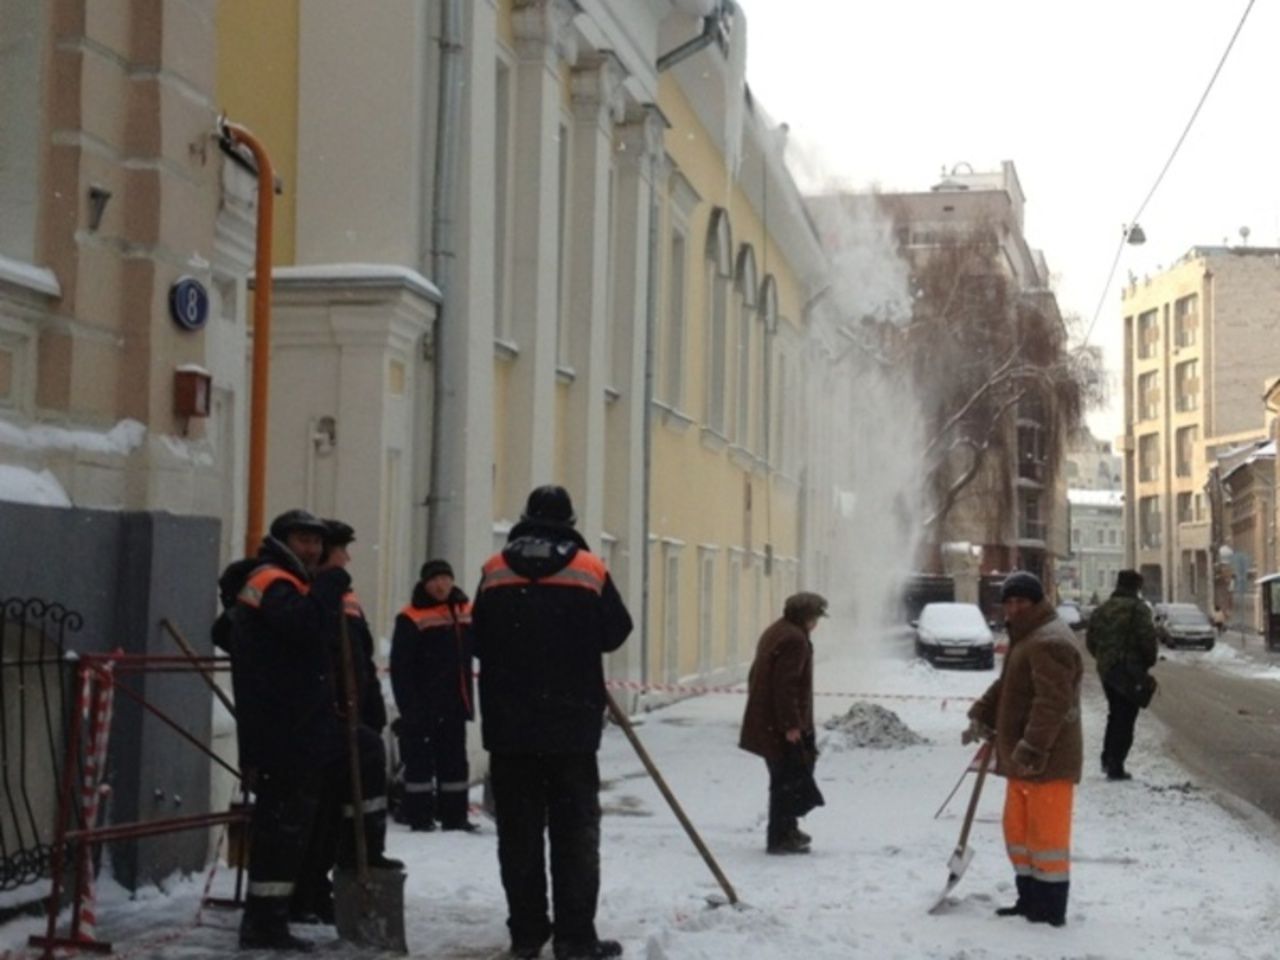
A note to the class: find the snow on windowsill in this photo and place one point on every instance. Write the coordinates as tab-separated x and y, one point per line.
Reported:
22	274
355	275
20	485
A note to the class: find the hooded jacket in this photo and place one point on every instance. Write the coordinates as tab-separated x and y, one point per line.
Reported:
545	611
779	690
281	629
1037	700
431	651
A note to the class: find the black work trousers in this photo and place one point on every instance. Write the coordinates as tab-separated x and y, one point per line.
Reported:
287	803
1122	714
559	795
781	824
436	773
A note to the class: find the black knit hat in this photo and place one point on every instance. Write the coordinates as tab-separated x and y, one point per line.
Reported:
551	504
297	519
435	568
338	534
1129	580
1020	583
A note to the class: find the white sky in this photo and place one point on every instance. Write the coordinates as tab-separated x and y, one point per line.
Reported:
1086	98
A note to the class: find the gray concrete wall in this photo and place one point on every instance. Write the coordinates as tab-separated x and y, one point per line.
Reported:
124	572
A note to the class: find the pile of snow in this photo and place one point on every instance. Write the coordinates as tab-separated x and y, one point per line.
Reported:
120	439
869	725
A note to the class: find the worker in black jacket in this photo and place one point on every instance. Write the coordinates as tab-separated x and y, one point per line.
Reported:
431	679
312	900
545	612
290	728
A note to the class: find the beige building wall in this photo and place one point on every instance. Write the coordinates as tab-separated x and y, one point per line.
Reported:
1198	343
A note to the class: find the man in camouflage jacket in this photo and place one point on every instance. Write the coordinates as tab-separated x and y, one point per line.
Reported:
1122	639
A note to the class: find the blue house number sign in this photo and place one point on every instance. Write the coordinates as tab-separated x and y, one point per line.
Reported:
189	303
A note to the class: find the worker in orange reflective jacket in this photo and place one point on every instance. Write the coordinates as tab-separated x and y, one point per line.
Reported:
431	678
545	612
312	900
287	608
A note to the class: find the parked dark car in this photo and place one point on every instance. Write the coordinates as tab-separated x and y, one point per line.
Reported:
1184	625
954	635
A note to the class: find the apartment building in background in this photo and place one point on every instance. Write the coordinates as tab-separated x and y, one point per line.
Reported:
1199	343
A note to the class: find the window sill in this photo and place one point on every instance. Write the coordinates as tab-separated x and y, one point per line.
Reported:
714	440
742	458
673	418
28	276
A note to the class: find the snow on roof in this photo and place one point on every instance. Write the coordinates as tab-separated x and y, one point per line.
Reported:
120	439
354	275
20	485
1095	498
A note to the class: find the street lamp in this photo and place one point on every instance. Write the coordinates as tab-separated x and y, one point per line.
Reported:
1134	236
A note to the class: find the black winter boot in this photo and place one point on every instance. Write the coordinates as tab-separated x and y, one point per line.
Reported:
1019	909
1052	904
265	926
597	950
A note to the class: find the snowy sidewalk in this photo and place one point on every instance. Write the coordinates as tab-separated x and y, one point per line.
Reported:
1161	868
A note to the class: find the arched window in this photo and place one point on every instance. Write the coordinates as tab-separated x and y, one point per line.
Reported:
719	276
768	313
746	291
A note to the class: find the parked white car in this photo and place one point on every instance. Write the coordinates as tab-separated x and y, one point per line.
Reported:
955	634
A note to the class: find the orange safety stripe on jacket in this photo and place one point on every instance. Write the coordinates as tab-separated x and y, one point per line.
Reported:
255	588
585	571
437	615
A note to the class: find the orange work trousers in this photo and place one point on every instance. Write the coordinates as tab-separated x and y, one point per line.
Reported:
1037	828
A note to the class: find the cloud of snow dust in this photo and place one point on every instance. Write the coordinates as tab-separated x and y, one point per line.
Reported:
870	413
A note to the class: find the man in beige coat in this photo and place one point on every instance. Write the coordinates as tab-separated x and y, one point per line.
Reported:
778	721
1033	714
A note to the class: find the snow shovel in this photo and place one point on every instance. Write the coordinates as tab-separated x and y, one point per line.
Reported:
368	904
623	721
963	853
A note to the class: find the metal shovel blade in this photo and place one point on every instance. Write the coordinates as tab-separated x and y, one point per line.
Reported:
956	867
370	914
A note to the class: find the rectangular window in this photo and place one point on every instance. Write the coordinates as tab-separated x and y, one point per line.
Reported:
1186	512
716	344
706	607
1186	439
562	244
1113	538
1186	320
1149	396
22	31
1148	334
674	366
742	418
502	174
671	615
1075	537
733	643
1149	457
1186	381
1149	537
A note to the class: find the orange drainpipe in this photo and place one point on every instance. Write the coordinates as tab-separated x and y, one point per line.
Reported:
261	335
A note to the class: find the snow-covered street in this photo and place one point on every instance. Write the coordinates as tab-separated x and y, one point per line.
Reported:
1163	866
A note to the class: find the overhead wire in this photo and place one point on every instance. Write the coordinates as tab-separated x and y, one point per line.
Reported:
1115	262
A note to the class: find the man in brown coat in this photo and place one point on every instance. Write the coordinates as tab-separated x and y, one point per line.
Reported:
1033	714
778	721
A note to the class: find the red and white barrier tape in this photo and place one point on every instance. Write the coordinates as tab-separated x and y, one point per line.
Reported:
102	696
693	690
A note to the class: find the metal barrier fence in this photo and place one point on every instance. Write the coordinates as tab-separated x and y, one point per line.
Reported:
34	676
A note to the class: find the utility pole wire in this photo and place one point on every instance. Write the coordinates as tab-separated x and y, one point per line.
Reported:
1165	169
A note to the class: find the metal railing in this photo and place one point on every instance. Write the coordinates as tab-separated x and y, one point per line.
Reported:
34	674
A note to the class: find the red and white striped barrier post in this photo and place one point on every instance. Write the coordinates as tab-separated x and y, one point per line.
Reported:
99	700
